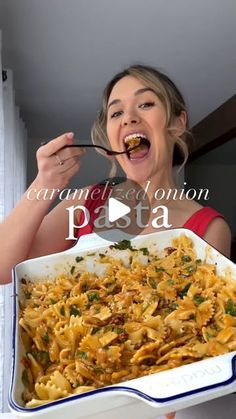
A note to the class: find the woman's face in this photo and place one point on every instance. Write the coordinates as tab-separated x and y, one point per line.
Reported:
133	108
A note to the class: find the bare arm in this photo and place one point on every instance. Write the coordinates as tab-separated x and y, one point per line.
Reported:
28	231
219	236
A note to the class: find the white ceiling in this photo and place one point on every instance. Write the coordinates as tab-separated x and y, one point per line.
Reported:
63	52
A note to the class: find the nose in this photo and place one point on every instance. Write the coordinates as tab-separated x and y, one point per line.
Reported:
130	119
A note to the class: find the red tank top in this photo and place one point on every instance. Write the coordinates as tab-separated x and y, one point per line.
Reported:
198	222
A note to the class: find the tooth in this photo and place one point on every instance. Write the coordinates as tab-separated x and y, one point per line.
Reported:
135	135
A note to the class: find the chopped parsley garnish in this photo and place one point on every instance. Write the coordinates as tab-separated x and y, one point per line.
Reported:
53	301
62	310
79	258
102	255
74	311
216	327
171	282
192	269
108	327
186	258
119	330
184	291
198	299
46	337
25	378
208	335
97	309
122	245
95	330
72	270
81	354
160	269
174	306
41	356
97	370
93	296
230	308
145	251
153	283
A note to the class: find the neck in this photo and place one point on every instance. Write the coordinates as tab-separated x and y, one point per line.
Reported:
158	186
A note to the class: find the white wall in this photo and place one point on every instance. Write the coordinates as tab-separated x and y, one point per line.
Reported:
217	171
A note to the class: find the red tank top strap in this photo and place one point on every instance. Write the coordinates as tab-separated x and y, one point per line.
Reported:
200	220
96	198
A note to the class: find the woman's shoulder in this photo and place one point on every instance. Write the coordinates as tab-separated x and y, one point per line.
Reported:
218	235
209	224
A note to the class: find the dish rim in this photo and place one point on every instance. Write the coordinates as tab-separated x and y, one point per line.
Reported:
119	389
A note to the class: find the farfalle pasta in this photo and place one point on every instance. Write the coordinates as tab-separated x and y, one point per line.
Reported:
143	313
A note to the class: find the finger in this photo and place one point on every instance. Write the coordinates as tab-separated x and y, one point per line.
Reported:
70	153
69	163
72	169
63	159
57	144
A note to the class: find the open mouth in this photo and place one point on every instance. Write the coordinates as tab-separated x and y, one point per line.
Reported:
141	144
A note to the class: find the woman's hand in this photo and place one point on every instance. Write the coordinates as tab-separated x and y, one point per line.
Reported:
27	224
56	164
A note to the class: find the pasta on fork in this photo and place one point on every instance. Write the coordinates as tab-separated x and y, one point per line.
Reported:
143	314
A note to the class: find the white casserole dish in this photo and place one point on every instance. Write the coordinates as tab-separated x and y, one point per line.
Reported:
144	397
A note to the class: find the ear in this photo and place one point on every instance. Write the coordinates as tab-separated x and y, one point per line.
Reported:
180	123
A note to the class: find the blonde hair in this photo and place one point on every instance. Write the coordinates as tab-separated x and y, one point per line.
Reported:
168	94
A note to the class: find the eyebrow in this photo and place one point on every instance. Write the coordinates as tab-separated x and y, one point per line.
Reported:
138	92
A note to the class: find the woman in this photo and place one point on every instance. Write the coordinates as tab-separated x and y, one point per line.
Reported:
139	102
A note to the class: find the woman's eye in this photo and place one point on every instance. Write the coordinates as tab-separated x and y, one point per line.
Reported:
116	114
146	105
